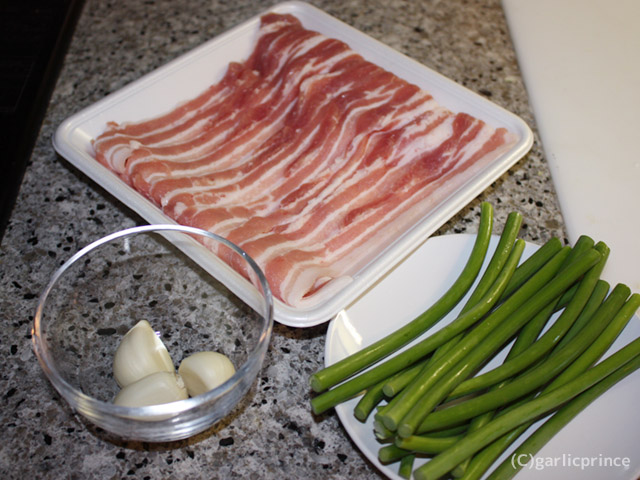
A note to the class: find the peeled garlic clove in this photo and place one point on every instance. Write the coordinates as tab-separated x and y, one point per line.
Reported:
204	371
139	354
154	389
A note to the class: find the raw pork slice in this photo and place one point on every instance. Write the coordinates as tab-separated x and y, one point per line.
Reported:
309	157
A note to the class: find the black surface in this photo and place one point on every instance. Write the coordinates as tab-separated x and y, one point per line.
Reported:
34	36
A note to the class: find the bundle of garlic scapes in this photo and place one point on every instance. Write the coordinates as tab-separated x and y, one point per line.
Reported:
143	369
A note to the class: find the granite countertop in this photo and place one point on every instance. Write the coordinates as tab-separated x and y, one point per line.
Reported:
60	210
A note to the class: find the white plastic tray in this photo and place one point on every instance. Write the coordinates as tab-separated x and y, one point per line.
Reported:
193	72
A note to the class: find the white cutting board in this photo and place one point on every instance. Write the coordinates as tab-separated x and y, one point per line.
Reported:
580	60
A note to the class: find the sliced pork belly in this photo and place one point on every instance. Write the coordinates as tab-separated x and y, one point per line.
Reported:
306	155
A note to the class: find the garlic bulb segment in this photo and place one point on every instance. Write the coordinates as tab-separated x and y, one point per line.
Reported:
154	389
140	354
204	371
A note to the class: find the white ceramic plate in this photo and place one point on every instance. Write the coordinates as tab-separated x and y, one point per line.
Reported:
608	428
192	73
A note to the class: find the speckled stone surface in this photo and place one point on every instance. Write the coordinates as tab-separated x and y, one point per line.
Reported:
273	433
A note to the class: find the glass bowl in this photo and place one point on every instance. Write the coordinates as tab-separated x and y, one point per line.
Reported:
141	273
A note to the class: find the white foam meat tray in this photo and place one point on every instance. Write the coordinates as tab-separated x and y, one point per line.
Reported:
190	74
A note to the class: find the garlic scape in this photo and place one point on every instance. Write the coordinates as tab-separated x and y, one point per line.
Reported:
154	389
204	371
140	353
